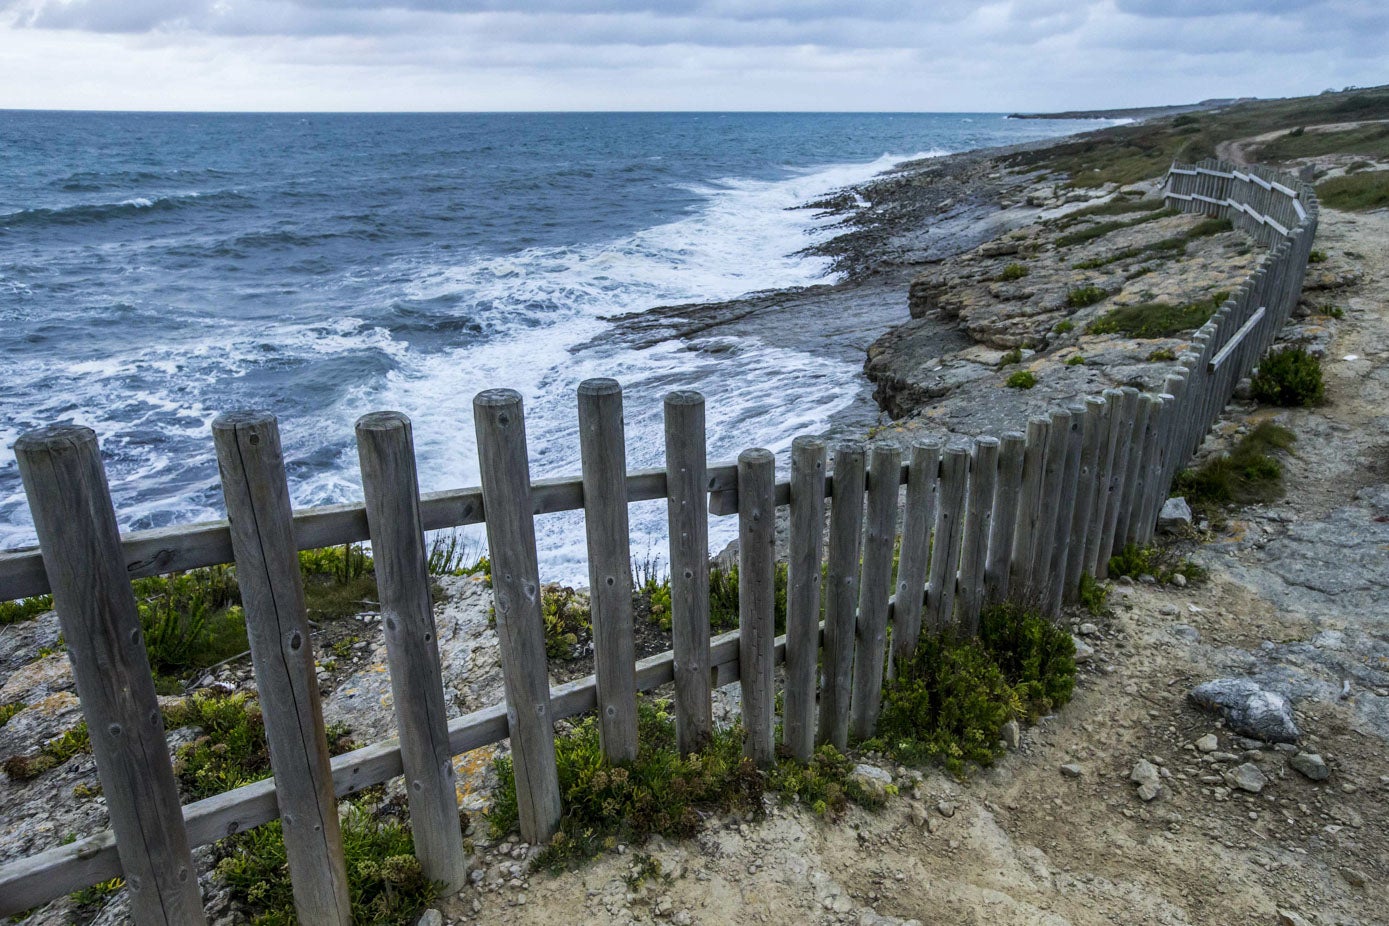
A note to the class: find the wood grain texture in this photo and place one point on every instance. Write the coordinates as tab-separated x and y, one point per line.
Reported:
1029	507
757	601
1065	511
918	521
841	593
506	490
687	517
1044	539
945	553
272	594
70	502
983	479
603	450
390	483
1087	485
1007	493
1095	558
875	588
1123	434
808	458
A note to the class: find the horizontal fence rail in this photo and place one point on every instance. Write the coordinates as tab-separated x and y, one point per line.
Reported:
1022	516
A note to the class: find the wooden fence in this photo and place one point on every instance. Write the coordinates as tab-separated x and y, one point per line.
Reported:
1021	515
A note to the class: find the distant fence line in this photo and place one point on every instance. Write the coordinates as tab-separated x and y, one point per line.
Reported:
1020	515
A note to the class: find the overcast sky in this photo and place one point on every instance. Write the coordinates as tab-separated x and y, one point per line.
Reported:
680	54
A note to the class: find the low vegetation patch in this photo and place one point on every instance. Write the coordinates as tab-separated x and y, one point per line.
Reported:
1372	140
1083	296
1021	379
1247	474
1290	377
1316	256
1157	319
1014	271
385	881
1160	563
1162	354
1075	360
1065	326
948	701
1357	192
1092	595
1124	206
24	609
51	755
1011	357
1090	233
661	793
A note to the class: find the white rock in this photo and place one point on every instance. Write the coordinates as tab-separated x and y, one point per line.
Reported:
1208	743
1175	514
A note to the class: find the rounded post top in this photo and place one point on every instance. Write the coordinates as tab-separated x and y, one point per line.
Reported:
1129	391
1094	402
243	418
1013	437
807	443
1059	416
928	443
497	398
1038	423
851	447
600	385
383	421
54	437
986	440
684	397
756	456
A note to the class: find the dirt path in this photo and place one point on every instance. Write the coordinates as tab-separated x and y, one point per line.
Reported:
1298	598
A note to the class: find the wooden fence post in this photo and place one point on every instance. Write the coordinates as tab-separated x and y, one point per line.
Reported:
506	499
1005	517
1133	471
841	593
1123	444
1087	481
870	644
945	554
1029	506
1062	540
1044	540
272	594
803	594
71	507
390	484
757	600
687	515
1096	558
603	450
983	478
918	520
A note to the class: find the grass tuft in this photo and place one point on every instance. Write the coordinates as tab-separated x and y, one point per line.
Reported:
1247	474
1290	377
1357	192
1021	379
1157	319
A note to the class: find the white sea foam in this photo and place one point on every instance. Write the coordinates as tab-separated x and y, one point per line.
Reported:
535	308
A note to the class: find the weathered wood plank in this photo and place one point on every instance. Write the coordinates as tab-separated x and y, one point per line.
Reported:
918	520
1012	448
603	453
1029	507
803	594
390	483
1062	539
272	593
757	601
983	477
841	593
875	588
506	486
1087	482
70	502
945	554
687	517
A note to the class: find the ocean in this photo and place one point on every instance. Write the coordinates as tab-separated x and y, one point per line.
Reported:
157	269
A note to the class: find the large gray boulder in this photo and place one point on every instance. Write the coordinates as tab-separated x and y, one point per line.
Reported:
1249	709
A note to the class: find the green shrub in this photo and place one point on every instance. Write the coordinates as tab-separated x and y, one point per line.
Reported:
1245	475
1021	379
1185	119
450	554
1011	357
1333	311
9	710
824	784
723	598
1316	257
190	619
1162	354
384	879
1014	271
1075	360
1036	657
1290	377
23	609
661	793
1092	595
1065	326
1356	192
568	621
1157	319
1160	563
946	705
339	582
51	755
1083	296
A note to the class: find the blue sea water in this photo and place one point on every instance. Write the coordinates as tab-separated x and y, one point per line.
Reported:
157	269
